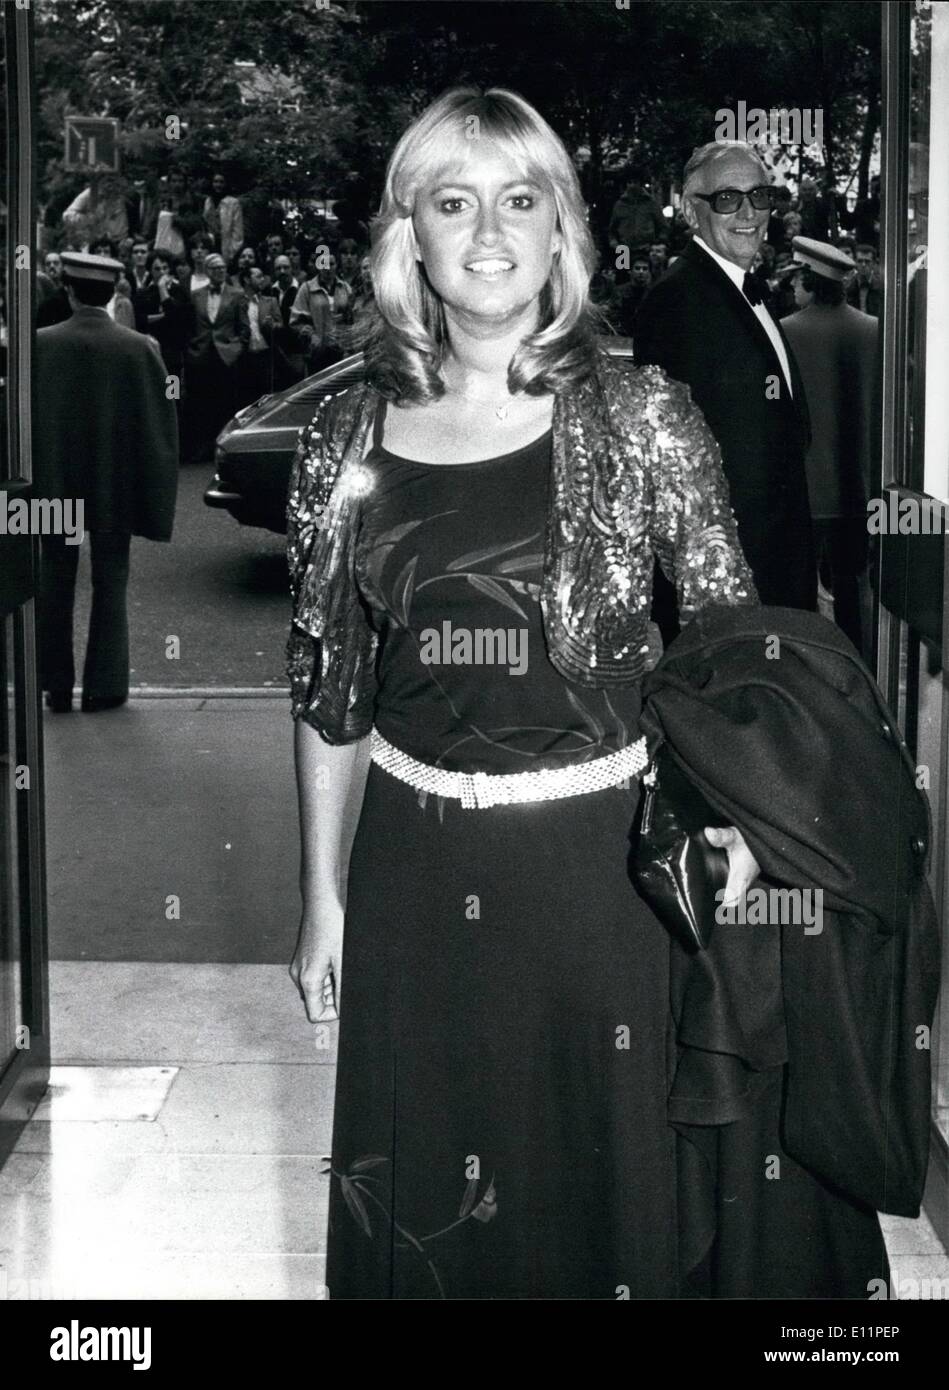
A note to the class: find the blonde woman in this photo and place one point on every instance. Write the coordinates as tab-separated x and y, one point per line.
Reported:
471	541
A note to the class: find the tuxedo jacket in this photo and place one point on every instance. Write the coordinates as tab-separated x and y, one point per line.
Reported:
227	336
699	327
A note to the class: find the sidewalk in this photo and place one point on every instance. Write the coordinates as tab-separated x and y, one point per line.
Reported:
178	1154
178	798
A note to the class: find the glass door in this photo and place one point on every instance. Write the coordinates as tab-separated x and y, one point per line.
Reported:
24	1009
913	569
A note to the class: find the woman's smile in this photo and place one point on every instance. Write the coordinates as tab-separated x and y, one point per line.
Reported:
487	234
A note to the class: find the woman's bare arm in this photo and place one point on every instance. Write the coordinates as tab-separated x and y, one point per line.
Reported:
331	784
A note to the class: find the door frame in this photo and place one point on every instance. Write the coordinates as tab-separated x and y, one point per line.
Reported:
25	1075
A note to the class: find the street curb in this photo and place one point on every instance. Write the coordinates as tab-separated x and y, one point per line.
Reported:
207	692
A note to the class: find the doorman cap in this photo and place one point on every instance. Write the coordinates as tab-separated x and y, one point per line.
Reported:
80	265
822	258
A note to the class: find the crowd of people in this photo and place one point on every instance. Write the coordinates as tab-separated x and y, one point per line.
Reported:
232	318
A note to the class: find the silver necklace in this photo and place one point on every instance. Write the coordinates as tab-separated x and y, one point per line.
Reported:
500	410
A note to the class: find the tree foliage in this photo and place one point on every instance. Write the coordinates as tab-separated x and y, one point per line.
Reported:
642	83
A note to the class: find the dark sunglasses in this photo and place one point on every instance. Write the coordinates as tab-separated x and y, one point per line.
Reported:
726	200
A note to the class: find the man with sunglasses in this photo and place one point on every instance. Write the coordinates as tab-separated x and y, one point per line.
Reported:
705	325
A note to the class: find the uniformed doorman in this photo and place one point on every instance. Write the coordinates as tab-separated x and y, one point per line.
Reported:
105	434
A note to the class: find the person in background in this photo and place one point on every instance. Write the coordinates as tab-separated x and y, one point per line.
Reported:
322	304
297	264
98	212
706	325
658	259
224	218
636	219
349	255
218	335
120	308
836	350
140	277
164	312
201	244
781	206
288	357
52	300
865	288
240	264
792	228
256	364
142	206
271	249
105	434
864	222
632	294
812	210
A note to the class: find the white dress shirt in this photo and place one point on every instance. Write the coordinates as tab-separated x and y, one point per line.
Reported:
214	303
258	342
737	277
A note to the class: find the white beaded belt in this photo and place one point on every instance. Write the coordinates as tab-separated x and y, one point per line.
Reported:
477	790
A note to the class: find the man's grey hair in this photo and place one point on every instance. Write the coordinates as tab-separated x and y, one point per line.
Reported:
706	154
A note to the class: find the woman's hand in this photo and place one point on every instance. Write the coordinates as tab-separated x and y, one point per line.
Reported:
316	965
743	867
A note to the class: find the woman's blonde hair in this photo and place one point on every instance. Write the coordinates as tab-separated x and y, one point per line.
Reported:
406	343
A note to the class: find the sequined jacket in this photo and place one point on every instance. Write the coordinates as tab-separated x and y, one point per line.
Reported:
635	474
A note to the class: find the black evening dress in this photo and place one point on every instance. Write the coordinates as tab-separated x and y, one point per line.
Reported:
506	1044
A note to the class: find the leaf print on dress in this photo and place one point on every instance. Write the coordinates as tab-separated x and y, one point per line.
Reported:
588	718
475	557
356	1194
520	562
493	589
403	589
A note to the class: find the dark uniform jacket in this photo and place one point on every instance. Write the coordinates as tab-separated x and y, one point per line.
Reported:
700	329
836	351
104	430
800	751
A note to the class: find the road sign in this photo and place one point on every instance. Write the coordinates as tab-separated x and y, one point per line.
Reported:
92	144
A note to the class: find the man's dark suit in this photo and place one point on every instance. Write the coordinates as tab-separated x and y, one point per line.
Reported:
698	326
211	358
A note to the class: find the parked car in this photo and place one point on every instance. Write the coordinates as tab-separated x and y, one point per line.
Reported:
254	451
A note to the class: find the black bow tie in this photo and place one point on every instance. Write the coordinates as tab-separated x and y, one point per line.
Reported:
214	289
750	290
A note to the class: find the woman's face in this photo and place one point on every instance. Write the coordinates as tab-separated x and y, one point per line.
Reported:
486	236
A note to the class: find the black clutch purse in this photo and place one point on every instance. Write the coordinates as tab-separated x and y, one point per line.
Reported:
674	867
